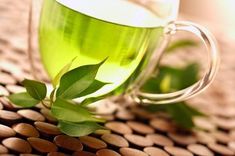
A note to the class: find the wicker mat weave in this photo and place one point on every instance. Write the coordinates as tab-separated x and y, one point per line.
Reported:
134	132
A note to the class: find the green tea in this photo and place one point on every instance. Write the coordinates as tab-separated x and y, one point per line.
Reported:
121	31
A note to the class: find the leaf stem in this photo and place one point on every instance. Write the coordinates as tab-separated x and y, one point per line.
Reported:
52	95
45	105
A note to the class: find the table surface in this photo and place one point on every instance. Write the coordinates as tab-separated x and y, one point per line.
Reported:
133	131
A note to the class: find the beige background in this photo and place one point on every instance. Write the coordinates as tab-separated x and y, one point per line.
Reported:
218	15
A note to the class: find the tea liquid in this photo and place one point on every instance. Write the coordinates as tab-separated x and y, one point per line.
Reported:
93	30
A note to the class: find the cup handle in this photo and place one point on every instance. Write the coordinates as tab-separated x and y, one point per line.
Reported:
209	41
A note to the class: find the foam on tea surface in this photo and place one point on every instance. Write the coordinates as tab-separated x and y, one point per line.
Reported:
116	11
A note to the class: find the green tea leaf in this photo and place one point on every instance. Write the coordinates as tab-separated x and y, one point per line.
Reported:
189	75
65	69
165	85
91	100
181	115
152	108
170	79
77	80
23	99
96	85
161	84
64	110
78	129
181	44
193	111
36	89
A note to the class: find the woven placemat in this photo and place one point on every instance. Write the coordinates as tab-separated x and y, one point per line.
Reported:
133	131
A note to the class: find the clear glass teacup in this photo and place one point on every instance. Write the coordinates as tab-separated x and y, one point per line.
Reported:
130	34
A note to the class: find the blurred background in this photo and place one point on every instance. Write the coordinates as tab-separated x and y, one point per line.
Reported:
217	15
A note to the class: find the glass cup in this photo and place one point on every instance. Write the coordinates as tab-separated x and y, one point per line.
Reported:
131	34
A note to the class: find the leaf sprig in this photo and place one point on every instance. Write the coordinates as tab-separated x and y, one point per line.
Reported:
170	79
77	120
73	119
